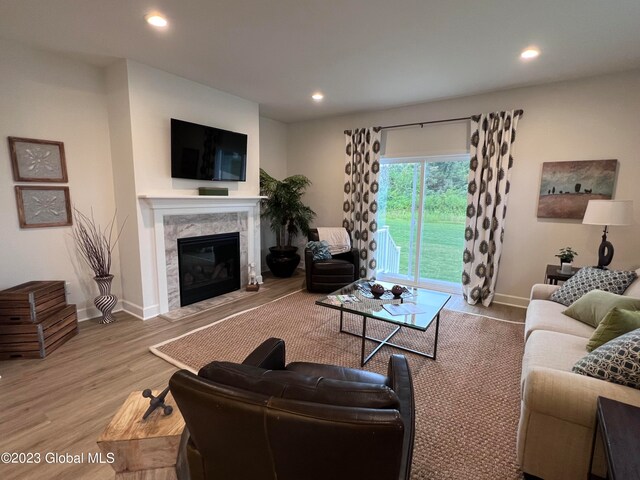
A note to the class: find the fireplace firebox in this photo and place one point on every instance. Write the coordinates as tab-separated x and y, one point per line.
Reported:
208	266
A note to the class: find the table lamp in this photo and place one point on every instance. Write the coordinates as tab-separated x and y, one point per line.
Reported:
607	212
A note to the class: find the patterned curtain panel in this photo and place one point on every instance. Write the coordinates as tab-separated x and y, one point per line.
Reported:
362	167
492	140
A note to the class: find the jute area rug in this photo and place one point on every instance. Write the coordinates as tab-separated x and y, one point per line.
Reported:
467	401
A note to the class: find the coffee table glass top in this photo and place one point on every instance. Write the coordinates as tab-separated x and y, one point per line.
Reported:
421	304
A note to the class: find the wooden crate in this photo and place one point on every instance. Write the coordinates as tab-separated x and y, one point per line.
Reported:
31	301
37	340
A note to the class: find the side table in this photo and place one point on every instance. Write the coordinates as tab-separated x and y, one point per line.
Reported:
553	274
618	423
143	449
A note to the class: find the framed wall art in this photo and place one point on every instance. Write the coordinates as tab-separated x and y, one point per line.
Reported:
567	187
37	160
43	206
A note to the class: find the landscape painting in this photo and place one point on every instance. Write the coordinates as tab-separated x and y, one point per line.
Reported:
567	187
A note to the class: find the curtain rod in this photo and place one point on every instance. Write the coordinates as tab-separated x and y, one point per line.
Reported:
425	123
446	120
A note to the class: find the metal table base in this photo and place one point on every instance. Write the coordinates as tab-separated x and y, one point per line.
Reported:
386	341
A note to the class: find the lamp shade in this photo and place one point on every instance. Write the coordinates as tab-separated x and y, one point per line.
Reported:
608	212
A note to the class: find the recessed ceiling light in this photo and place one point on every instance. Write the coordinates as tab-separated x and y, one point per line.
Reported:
156	20
317	97
529	53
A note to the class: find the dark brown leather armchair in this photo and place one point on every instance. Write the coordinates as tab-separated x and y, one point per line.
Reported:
324	276
260	420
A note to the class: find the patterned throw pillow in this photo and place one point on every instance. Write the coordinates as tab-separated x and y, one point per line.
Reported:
617	361
319	249
590	278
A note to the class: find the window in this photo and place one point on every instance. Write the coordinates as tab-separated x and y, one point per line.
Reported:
421	219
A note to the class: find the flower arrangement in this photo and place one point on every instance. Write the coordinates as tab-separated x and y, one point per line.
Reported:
95	244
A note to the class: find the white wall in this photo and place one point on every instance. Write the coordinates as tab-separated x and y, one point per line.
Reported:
588	119
154	98
124	184
273	159
51	97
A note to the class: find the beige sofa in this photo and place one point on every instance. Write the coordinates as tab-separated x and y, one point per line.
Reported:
558	407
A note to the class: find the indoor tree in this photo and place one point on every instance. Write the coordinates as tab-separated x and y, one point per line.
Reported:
288	217
284	208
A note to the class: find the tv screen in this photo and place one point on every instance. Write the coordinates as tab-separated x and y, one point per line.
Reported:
207	153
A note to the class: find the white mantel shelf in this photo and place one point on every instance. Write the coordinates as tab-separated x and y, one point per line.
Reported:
167	202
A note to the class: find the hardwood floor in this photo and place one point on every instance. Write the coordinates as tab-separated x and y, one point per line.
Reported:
62	403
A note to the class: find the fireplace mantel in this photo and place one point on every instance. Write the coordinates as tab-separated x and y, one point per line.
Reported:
161	206
168	202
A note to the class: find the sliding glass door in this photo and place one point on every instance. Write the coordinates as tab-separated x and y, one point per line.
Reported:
422	204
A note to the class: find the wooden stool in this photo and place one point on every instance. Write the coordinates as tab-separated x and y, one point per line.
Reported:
143	449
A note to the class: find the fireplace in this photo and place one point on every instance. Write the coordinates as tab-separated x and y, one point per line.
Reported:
208	266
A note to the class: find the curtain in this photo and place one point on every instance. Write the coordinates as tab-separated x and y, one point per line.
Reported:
492	138
360	207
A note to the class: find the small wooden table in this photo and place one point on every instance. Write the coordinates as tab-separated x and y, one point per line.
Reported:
143	449
619	424
553	274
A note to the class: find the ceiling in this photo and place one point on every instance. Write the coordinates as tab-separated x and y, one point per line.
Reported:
362	54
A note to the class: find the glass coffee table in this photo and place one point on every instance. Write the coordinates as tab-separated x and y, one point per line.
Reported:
416	308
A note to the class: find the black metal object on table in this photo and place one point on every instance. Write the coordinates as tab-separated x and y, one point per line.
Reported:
156	402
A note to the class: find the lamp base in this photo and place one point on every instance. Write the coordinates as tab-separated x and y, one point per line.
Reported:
605	254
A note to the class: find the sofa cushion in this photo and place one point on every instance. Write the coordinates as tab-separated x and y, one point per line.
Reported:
546	315
590	278
296	386
592	307
320	250
617	361
615	323
558	351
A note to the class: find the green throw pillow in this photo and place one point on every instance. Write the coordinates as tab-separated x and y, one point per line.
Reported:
592	307
617	322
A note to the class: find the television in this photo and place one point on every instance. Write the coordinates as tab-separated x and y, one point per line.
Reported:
207	153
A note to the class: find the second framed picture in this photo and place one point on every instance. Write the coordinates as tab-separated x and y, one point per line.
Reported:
37	160
43	206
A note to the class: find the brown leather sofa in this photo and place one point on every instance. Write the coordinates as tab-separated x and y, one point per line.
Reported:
262	420
324	276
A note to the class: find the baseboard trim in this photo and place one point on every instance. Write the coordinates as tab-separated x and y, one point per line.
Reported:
511	300
139	312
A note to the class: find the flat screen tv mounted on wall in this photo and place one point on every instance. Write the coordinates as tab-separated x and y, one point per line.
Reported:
207	153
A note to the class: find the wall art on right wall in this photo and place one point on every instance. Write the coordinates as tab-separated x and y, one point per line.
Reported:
567	187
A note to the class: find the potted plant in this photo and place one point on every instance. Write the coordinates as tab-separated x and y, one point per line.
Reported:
566	256
288	217
95	246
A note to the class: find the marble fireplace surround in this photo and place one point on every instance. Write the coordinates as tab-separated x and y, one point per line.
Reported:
192	216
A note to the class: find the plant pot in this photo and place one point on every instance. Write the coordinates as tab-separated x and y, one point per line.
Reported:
105	301
283	261
565	267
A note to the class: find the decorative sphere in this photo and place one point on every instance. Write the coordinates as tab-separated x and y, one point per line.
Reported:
377	290
397	290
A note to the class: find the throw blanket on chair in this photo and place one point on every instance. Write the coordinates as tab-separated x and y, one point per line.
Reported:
337	238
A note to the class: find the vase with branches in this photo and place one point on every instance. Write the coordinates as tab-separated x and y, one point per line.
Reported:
288	217
95	246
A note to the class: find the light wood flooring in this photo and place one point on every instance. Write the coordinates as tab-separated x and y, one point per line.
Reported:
63	402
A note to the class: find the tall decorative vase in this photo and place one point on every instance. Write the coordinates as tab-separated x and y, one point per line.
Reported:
105	302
